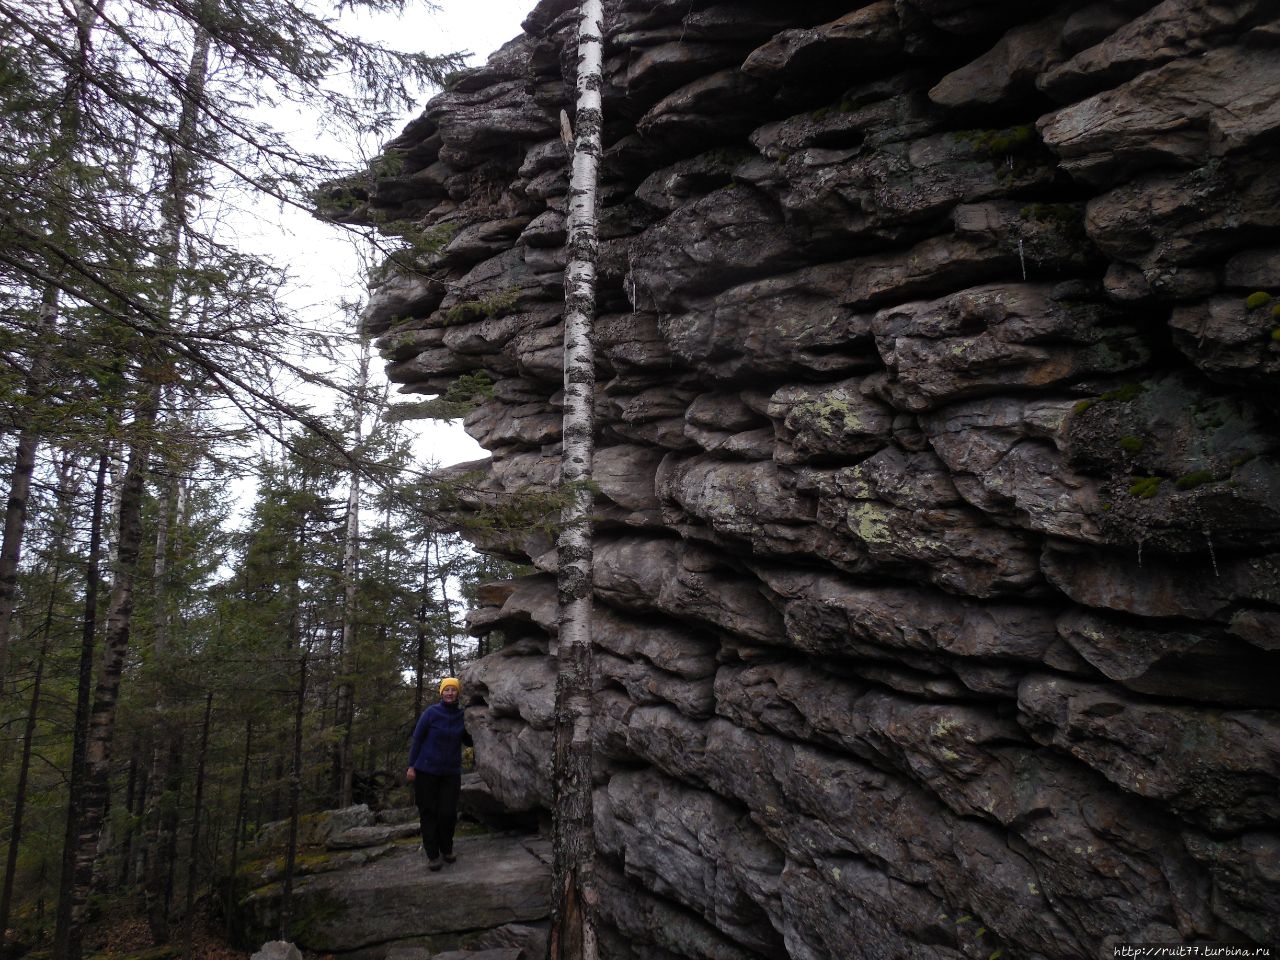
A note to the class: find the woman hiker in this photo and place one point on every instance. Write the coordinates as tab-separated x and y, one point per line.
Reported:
435	770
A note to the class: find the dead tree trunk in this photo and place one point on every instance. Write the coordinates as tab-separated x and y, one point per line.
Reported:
573	890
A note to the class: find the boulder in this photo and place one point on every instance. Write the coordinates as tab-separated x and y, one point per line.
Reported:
277	950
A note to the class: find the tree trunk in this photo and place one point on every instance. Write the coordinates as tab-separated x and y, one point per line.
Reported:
94	795
67	482
131	805
20	794
15	516
193	859
442	571
96	792
420	660
295	798
160	817
66	936
572	934
350	581
237	832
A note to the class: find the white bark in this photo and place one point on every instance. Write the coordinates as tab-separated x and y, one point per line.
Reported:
572	933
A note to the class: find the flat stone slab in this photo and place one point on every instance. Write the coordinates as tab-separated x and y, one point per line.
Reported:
358	837
398	815
497	880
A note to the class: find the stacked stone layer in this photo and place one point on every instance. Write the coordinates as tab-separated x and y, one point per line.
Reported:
938	545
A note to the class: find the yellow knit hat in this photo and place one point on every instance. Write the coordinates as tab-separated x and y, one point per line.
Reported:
450	682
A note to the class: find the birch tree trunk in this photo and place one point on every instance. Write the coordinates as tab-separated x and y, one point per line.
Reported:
573	890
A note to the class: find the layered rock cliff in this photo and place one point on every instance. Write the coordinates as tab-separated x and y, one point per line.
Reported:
938	551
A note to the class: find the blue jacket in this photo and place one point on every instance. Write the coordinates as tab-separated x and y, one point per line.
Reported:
438	739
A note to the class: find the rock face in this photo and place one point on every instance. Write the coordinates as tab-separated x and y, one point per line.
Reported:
938	553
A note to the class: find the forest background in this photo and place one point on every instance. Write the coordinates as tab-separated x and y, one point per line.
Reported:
226	587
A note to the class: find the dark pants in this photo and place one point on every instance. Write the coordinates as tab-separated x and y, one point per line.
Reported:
437	799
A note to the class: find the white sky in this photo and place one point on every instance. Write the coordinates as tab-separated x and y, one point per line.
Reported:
321	259
481	26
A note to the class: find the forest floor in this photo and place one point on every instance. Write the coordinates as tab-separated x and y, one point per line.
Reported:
129	938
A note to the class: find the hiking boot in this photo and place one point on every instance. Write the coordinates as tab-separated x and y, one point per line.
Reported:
450	857
434	863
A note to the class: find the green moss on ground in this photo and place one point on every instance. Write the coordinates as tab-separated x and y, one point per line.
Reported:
1145	487
1131	444
1189	481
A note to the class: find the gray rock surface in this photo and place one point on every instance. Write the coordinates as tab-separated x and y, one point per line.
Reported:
938	543
395	901
278	950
